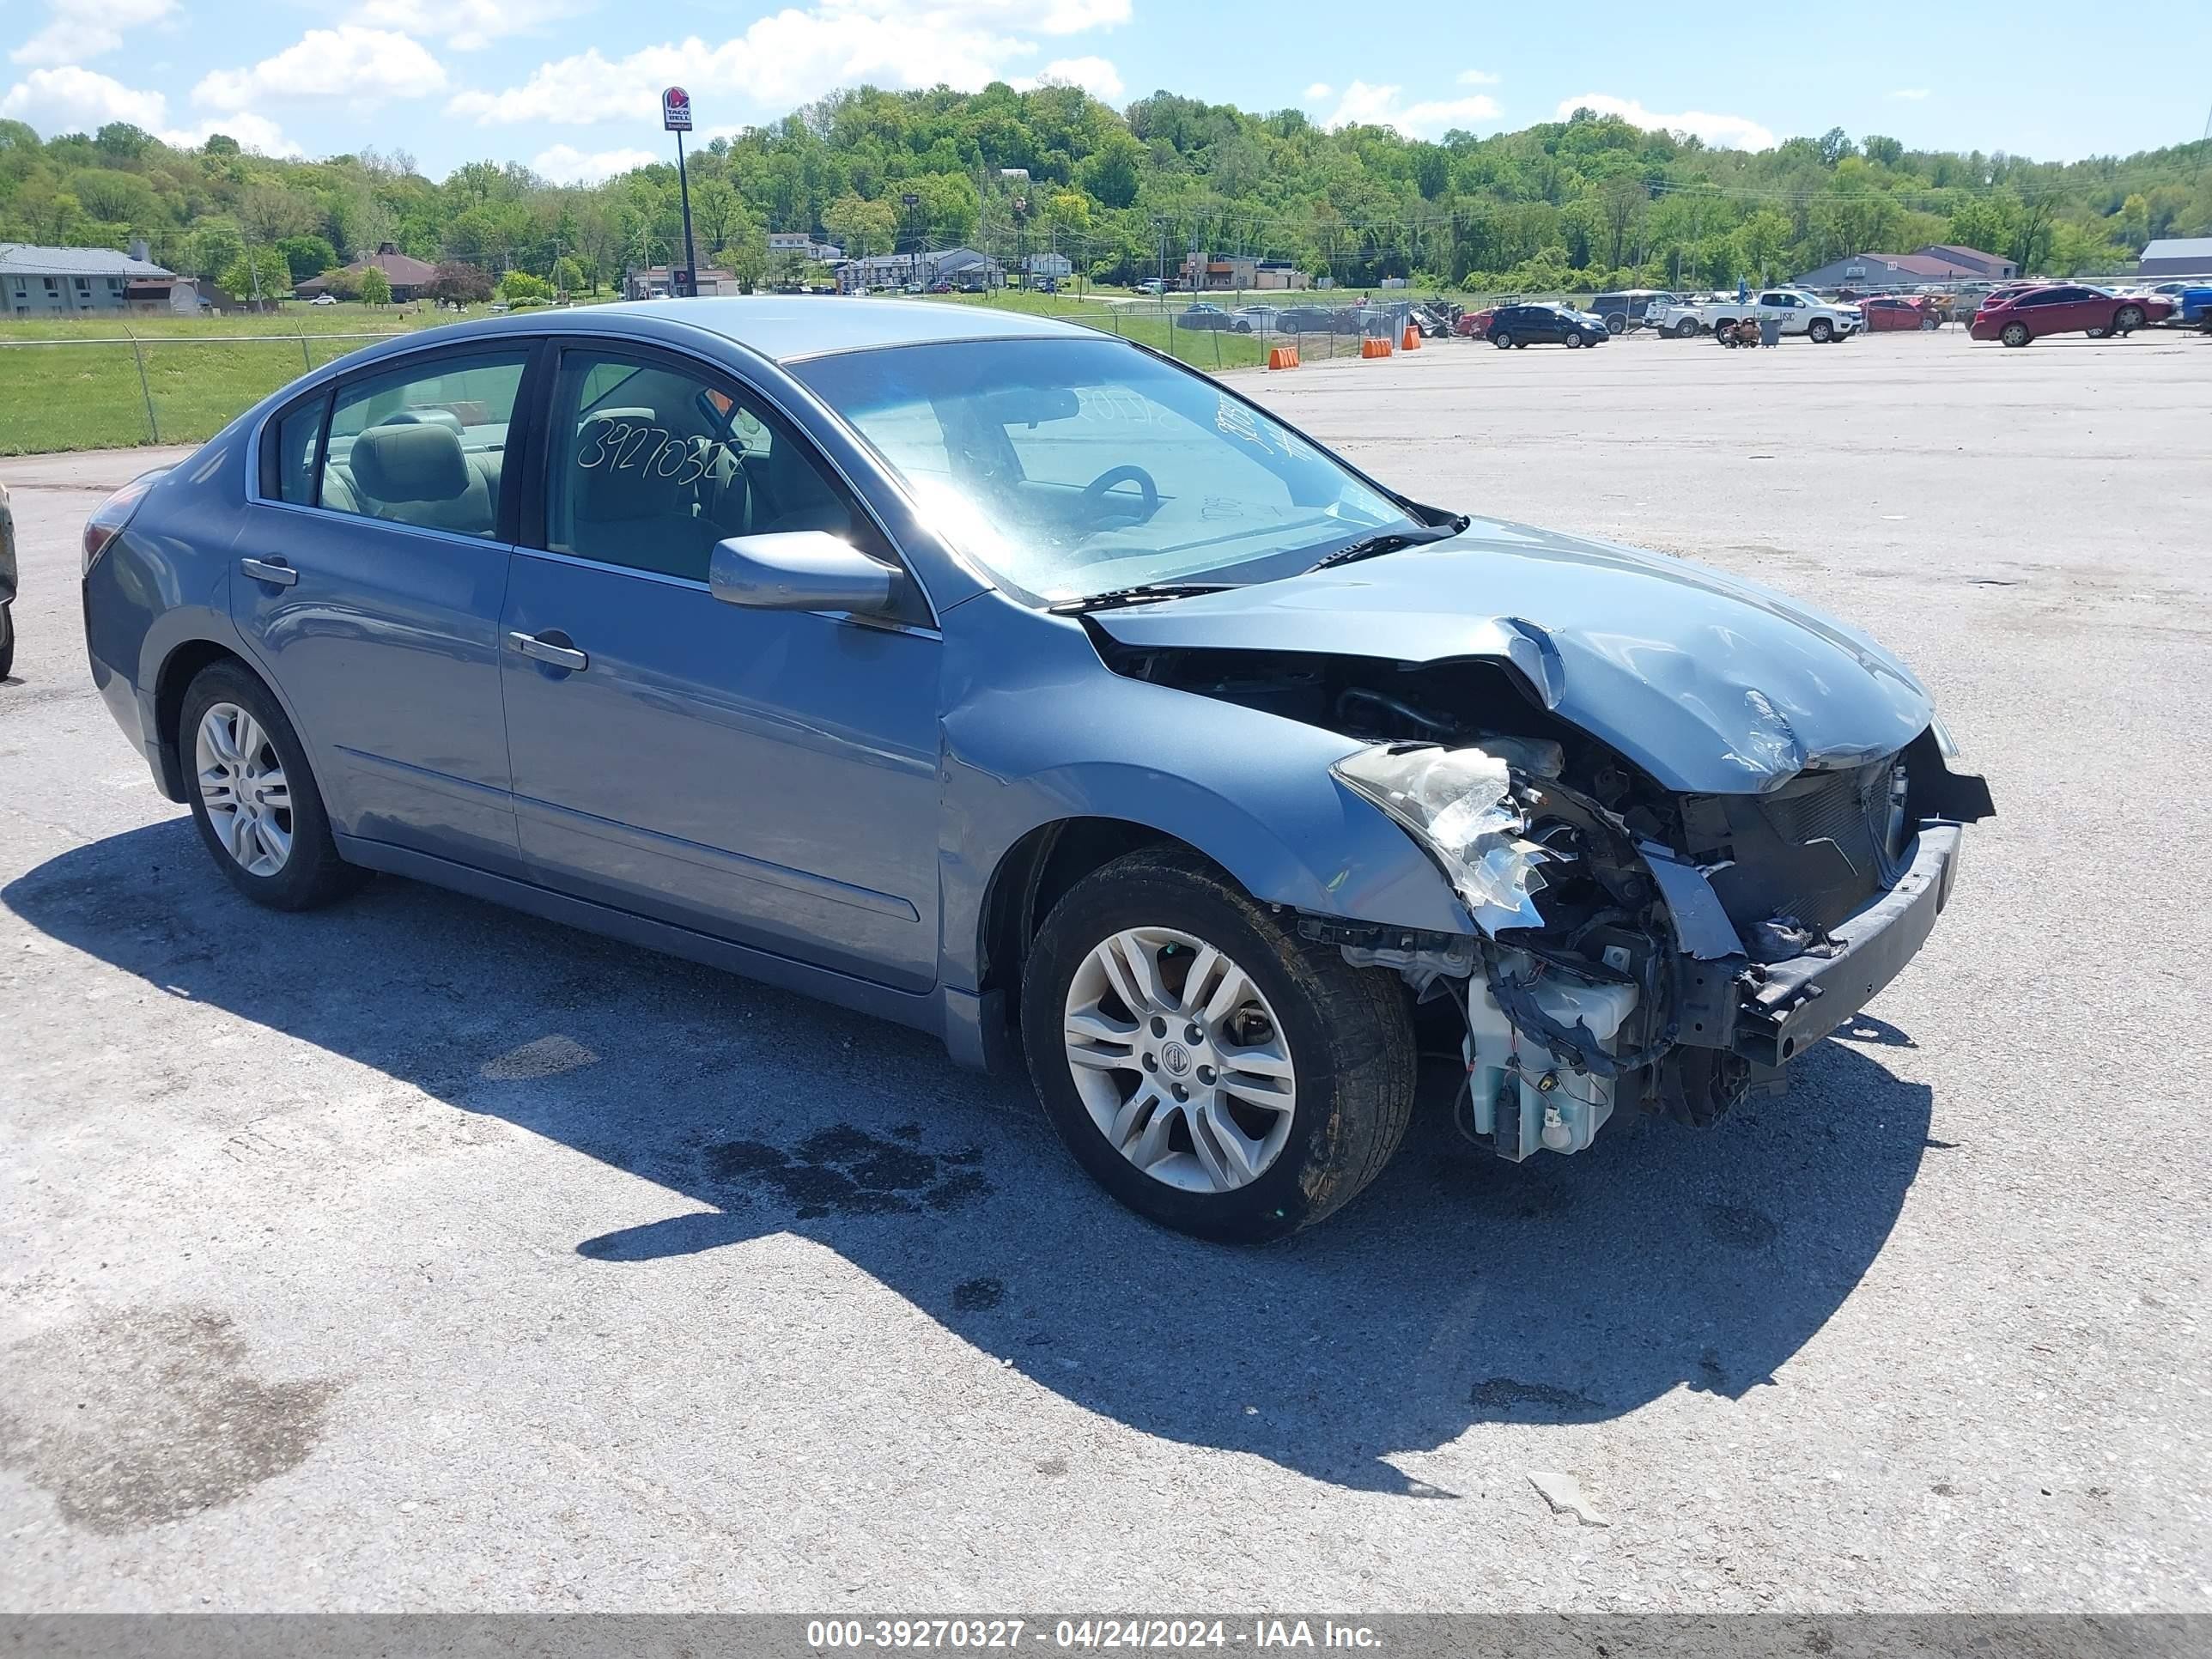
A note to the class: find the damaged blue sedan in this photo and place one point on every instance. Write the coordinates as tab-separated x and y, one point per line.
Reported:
983	673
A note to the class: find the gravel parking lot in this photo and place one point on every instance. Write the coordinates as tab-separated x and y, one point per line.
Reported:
415	1254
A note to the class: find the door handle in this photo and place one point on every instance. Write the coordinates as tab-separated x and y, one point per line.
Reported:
269	570
545	651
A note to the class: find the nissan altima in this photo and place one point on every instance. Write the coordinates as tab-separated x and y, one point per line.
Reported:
981	672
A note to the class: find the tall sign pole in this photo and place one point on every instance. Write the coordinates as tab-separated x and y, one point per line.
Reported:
676	118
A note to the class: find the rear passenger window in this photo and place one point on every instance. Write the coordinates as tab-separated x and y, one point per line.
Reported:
652	464
425	444
289	471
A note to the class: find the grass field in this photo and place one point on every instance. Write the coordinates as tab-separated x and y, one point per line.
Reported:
75	384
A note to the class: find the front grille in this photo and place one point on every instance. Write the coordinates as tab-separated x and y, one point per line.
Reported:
1817	849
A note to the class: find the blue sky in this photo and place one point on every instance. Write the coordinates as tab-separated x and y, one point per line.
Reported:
571	86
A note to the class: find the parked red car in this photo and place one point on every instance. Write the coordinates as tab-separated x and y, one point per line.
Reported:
2063	309
1896	311
1474	324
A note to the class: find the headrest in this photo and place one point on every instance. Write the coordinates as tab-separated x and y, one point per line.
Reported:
411	464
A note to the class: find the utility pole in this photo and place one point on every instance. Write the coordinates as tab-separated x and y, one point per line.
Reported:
676	118
911	201
1160	228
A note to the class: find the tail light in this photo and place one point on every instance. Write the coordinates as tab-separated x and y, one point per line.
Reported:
108	518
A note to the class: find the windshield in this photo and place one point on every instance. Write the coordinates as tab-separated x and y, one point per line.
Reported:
1072	467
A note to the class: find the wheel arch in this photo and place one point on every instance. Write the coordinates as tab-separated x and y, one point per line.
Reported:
184	664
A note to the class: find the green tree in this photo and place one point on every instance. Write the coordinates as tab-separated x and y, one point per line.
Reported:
238	279
376	287
568	276
860	226
307	256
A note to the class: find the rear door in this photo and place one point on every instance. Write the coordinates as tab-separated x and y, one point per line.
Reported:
369	578
767	776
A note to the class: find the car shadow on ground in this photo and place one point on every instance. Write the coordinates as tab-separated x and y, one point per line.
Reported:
1458	1290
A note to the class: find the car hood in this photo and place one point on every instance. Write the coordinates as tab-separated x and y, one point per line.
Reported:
1710	683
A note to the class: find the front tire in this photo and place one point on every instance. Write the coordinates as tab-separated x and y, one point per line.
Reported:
7	641
1209	1068
1821	329
1615	324
1686	329
1575	342
2127	319
254	796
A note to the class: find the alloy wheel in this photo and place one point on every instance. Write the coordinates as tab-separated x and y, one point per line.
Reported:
1179	1060
244	789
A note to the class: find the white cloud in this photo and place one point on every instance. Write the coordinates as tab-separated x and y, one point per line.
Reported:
76	34
1094	75
793	55
1479	78
1317	91
469	24
564	164
255	132
362	66
1365	106
73	100
1914	94
1721	131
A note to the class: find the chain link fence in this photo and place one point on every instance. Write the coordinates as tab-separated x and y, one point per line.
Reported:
116	392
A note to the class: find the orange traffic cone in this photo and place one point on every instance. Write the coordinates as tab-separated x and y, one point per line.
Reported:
1412	340
1282	356
1373	346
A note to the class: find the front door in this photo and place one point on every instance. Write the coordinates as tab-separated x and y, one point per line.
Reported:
767	776
367	582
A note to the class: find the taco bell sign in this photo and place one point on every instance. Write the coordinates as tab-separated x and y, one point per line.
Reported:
676	110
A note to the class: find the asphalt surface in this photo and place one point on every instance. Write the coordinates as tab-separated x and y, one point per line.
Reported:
413	1254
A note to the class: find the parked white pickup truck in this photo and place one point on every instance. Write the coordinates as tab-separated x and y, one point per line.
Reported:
1800	312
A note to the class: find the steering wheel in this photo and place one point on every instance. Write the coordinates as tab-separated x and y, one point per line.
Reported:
1094	493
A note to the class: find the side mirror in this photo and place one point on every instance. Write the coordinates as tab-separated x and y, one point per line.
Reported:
801	570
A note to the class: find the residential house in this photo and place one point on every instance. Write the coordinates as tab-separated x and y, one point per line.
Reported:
803	244
2176	256
52	281
408	277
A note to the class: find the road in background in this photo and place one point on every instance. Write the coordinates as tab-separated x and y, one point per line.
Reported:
416	1254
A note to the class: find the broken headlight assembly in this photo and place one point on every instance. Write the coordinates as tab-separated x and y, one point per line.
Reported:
1460	805
1547	1019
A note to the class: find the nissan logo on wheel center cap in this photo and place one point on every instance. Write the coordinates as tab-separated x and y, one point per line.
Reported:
1175	1059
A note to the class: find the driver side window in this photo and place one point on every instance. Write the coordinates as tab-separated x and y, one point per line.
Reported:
652	464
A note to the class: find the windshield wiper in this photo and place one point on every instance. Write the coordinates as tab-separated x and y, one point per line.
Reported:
1143	593
1388	542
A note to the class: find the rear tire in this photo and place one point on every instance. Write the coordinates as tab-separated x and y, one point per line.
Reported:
309	873
1346	1032
7	641
1502	340
2014	334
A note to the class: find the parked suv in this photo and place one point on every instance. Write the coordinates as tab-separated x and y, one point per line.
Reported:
1632	308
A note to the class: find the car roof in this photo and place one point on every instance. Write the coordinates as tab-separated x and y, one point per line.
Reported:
787	327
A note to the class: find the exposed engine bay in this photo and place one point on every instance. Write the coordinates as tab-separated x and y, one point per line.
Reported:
1633	945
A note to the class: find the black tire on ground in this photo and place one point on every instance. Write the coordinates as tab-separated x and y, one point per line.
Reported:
1501	339
2014	334
312	874
1615	323
1348	1031
2127	319
1575	342
7	641
1927	325
1686	329
1821	330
